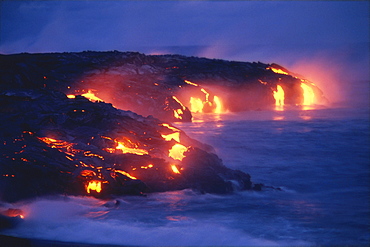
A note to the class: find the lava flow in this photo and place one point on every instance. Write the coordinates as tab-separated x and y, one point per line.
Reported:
89	95
177	151
93	175
308	95
279	98
94	185
210	104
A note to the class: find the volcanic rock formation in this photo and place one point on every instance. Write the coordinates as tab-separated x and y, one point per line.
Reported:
169	87
59	137
52	144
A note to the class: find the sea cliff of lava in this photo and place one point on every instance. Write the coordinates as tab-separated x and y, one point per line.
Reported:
71	124
168	87
52	144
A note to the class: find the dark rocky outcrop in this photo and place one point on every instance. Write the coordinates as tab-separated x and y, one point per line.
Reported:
146	84
51	144
54	144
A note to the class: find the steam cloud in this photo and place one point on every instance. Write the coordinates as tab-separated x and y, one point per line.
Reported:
332	38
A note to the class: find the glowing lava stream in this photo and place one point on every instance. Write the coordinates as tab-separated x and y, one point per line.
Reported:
177	113
125	149
175	136
126	174
279	71
174	169
308	94
89	95
218	104
279	98
197	104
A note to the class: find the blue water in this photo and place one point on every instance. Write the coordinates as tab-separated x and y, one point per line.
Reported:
319	158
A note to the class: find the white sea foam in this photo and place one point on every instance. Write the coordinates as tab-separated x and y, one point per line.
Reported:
67	220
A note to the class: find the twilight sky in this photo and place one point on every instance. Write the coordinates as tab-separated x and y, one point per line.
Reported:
294	34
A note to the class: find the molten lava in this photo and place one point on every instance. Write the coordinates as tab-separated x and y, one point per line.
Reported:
278	71
174	169
61	145
94	185
218	103
170	127
126	174
175	136
121	146
191	83
196	104
279	97
177	151
91	96
177	113
308	94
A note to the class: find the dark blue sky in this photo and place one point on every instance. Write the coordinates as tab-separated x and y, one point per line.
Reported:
291	33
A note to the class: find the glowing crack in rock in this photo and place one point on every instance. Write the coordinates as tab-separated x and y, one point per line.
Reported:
126	174
174	169
121	146
278	71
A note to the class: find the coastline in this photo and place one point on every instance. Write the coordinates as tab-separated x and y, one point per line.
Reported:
10	241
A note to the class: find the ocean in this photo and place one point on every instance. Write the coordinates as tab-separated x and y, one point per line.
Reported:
319	158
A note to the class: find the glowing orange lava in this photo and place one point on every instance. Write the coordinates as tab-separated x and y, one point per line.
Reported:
177	151
279	71
60	144
177	113
218	103
308	95
196	105
170	127
175	136
126	174
124	149
147	167
279	97
91	96
94	185
191	83
174	169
